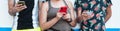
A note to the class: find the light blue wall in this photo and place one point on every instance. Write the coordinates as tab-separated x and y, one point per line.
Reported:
108	29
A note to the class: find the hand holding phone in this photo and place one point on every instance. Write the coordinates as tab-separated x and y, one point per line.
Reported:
63	10
21	2
20	6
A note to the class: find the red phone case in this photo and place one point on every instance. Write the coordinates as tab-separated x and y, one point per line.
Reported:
63	10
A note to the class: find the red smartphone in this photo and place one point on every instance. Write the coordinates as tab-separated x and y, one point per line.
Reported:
63	10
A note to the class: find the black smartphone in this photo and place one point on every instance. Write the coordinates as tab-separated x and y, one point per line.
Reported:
21	2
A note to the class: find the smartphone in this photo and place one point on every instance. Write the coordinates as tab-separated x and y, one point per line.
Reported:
21	2
89	13
63	10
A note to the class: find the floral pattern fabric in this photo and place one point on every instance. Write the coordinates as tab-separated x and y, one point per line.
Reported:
96	9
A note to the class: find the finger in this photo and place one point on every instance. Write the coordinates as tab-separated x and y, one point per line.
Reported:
65	15
59	13
84	15
88	17
23	6
18	5
68	15
17	8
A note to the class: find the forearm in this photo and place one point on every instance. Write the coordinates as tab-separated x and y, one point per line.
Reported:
50	23
73	23
107	18
10	7
12	12
40	5
108	14
79	18
73	14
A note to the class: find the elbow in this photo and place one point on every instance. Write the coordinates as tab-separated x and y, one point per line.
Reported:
10	13
73	24
42	27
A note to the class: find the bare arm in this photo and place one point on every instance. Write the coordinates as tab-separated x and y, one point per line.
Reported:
72	13
79	14
14	8
40	4
44	24
11	5
108	13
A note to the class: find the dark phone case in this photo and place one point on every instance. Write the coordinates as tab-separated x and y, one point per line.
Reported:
21	2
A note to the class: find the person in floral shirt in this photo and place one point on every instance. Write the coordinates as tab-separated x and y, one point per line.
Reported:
93	14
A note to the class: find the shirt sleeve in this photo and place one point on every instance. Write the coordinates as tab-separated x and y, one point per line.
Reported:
109	3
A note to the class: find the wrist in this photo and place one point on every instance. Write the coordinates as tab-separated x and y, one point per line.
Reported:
80	18
69	20
57	17
15	10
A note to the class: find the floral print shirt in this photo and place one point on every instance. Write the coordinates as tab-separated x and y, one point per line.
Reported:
96	9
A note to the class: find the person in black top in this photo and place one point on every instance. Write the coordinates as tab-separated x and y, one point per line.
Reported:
25	14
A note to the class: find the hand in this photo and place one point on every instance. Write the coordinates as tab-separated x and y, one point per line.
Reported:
67	17
85	16
59	15
19	7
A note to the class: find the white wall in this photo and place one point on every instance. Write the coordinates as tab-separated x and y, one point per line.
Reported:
114	21
6	20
